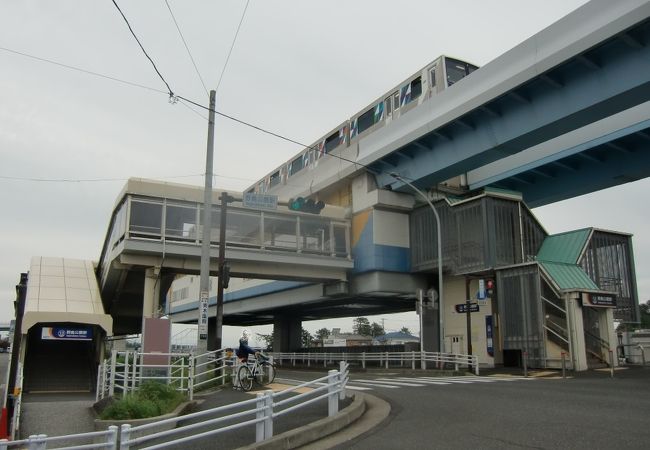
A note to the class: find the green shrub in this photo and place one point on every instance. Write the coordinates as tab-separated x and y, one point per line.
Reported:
150	400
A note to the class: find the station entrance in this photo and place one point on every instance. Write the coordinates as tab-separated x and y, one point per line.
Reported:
61	357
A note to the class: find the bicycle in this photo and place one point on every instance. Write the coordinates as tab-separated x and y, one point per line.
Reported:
262	372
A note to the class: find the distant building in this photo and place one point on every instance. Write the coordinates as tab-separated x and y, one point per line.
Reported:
338	339
395	338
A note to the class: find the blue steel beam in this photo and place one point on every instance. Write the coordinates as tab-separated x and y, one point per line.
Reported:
617	78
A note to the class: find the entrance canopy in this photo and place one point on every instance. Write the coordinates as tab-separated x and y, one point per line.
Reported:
64	290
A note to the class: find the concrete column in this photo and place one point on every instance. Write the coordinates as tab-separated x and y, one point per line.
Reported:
607	330
287	334
151	292
577	330
430	330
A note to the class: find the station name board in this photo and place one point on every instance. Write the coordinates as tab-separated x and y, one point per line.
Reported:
66	334
599	300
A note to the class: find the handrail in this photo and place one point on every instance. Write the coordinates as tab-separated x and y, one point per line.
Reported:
556	334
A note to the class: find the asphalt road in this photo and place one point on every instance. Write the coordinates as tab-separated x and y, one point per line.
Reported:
591	411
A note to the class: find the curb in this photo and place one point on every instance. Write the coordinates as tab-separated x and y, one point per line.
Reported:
314	431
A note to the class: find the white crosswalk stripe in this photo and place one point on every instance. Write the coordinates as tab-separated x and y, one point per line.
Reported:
398	382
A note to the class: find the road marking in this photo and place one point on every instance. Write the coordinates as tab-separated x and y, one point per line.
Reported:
397	383
369	383
357	388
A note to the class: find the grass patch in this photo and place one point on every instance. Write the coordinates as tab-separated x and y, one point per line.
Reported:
149	400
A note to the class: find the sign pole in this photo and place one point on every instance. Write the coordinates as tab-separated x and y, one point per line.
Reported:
468	313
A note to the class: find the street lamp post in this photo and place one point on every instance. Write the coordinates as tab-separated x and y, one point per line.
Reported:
439	242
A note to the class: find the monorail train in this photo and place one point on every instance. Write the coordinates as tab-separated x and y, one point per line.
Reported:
412	92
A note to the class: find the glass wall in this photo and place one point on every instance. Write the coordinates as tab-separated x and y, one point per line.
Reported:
159	219
476	235
608	261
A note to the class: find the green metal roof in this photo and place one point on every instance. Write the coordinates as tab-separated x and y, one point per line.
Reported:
564	247
568	277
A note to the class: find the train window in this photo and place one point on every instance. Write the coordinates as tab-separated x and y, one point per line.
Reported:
332	142
366	120
395	101
387	102
411	91
274	179
296	165
456	70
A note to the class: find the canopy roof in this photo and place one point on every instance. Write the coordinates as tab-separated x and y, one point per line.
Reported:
63	290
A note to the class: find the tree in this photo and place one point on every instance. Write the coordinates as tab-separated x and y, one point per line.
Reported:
321	335
362	326
267	339
376	330
306	338
405	330
644	316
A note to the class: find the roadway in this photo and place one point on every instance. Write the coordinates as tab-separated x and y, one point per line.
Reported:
590	411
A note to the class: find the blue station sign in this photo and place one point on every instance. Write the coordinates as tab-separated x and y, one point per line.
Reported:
66	334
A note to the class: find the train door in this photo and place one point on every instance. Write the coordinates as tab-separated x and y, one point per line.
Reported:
391	106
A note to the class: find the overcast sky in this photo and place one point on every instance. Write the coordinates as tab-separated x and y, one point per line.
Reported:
298	68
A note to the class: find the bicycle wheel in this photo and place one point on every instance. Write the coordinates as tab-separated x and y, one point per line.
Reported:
265	374
245	378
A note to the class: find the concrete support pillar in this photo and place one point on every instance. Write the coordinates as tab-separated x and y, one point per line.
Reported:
287	333
151	292
577	330
608	332
430	330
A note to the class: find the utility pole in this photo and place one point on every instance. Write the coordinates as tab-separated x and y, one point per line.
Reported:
204	286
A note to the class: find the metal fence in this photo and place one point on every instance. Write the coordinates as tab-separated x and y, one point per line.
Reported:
260	411
125	371
423	360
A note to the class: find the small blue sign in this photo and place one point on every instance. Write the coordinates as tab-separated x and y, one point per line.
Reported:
488	335
260	201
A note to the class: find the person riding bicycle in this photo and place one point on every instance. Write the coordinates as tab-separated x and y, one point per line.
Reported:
245	350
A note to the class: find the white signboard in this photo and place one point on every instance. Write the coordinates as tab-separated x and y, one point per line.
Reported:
203	315
260	201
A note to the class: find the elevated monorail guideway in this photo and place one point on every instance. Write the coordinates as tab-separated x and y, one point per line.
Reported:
155	233
588	66
451	118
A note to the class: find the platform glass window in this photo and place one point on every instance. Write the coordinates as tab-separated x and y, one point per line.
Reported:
243	228
280	232
314	235
180	221
146	218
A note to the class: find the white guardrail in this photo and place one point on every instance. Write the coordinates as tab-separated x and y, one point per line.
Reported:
433	360
260	411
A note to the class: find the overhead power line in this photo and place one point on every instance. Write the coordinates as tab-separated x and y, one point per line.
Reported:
78	69
187	48
169	89
293	141
223	71
279	136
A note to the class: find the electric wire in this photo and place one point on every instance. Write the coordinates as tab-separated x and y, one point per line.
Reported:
169	89
78	69
223	71
187	47
279	136
87	180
